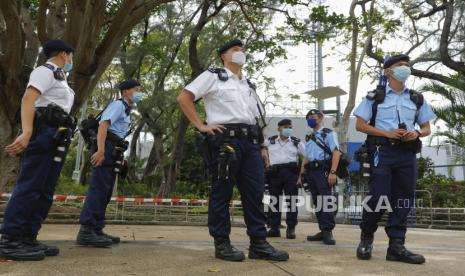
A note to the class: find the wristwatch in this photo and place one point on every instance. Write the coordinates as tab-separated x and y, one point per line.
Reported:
419	132
332	172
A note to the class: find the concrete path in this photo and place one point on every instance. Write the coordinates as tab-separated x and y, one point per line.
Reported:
188	250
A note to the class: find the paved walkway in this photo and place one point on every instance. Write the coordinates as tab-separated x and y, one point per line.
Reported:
188	250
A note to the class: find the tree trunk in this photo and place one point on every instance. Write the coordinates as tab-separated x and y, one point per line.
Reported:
132	176
176	158
9	166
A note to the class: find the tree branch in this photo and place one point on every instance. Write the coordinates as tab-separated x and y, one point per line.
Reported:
444	42
42	21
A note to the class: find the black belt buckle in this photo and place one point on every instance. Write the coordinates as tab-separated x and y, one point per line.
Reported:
232	133
245	131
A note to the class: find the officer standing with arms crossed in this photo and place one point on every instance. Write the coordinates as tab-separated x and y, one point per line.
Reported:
284	151
113	128
47	129
320	164
389	119
232	108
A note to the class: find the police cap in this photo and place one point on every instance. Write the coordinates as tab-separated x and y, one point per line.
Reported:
128	84
285	122
57	45
230	44
391	60
313	112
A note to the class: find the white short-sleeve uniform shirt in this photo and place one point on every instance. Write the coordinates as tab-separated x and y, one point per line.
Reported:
226	102
51	90
284	151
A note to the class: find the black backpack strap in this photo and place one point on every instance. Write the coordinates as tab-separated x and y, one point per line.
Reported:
127	109
418	99
296	141
377	96
321	144
252	85
272	139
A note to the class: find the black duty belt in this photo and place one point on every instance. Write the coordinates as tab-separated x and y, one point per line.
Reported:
55	116
285	166
373	141
318	165
116	139
290	165
241	131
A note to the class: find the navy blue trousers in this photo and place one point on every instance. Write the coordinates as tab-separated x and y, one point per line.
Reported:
284	180
319	187
249	175
100	190
393	179
32	196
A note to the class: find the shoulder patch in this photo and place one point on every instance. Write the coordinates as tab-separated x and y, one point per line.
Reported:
221	72
272	139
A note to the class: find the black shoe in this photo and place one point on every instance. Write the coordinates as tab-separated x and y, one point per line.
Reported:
114	239
260	249
49	250
365	247
398	253
274	232
328	238
290	233
225	251
12	248
317	237
87	236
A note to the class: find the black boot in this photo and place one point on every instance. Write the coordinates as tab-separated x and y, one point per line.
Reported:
317	237
274	232
290	233
365	246
12	248
398	253
114	239
260	249
49	250
225	251
328	238
87	236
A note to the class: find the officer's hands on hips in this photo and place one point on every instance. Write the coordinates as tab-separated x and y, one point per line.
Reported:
396	133
19	144
332	179
97	158
410	135
211	128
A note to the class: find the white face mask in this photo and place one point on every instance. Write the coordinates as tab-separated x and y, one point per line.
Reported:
238	58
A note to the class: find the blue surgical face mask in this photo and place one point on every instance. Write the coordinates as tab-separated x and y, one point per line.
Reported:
287	132
136	97
311	123
68	67
401	73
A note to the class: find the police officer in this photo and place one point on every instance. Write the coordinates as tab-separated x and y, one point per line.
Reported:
320	165
284	151
45	124
232	107
113	128
393	141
